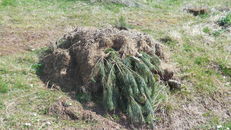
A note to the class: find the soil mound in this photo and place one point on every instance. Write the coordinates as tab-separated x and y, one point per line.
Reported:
122	66
72	59
197	10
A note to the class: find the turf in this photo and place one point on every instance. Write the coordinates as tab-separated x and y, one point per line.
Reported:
199	53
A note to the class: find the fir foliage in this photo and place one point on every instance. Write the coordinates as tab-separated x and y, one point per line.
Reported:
128	84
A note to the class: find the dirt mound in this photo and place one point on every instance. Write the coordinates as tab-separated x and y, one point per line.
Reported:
197	10
68	109
72	58
121	68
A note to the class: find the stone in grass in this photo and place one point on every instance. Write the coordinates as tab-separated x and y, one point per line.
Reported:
173	84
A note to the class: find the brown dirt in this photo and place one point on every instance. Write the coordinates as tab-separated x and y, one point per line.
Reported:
22	40
197	10
193	114
68	109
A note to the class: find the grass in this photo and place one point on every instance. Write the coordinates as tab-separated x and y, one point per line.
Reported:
33	22
24	98
3	87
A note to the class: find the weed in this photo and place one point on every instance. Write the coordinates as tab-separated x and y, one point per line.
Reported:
225	21
217	33
121	23
206	30
187	48
37	67
225	70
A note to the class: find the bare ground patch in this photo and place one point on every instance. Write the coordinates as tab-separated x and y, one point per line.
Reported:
16	40
197	113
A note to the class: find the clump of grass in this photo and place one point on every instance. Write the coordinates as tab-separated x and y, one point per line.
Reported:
201	60
225	70
121	23
129	84
204	16
3	87
206	30
225	21
218	32
37	67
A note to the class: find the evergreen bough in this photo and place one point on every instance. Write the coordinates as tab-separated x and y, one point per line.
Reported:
128	84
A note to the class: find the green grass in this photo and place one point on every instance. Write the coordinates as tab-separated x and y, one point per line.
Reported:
21	88
8	2
25	96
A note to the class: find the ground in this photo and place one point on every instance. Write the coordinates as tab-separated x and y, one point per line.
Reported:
198	48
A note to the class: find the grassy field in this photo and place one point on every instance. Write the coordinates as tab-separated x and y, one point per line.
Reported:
199	49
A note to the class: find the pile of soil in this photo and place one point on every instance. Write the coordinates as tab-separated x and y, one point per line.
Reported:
70	61
197	10
70	64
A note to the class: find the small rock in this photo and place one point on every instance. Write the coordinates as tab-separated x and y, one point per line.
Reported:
27	124
159	51
173	84
34	114
67	104
219	126
167	74
48	123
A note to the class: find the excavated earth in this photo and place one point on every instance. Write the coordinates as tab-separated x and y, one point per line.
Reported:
70	61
